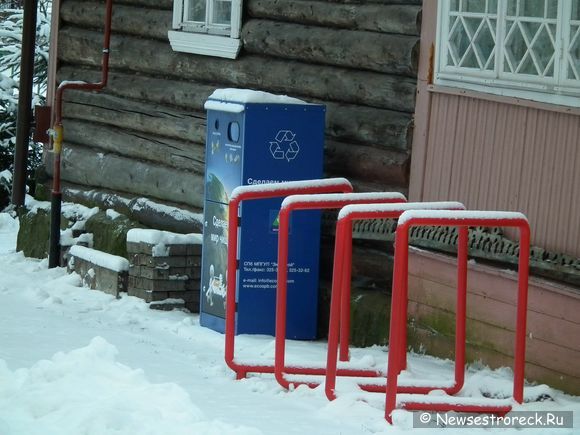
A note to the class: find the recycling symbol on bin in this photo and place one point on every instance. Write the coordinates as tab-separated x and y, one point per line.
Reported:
284	146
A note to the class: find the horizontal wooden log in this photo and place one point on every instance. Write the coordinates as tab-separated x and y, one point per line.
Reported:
130	20
367	163
371	267
136	145
152	4
345	122
382	2
84	166
80	46
400	19
371	163
178	218
370	126
371	186
392	54
364	162
366	125
143	117
395	54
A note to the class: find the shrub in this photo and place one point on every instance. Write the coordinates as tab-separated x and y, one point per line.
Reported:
11	16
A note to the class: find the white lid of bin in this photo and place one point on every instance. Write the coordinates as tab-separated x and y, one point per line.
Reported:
233	100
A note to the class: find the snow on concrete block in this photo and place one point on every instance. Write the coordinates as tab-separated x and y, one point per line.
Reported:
164	265
158	242
101	259
99	270
168	304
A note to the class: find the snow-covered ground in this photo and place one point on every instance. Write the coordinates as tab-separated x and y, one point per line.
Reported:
75	361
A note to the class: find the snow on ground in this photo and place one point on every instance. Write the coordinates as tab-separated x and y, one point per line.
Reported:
75	361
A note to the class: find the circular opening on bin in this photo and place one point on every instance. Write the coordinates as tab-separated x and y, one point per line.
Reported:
234	131
216	124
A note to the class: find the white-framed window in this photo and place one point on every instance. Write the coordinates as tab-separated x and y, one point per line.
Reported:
521	48
209	27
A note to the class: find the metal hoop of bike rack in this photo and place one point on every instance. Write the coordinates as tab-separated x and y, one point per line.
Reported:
340	300
256	192
398	332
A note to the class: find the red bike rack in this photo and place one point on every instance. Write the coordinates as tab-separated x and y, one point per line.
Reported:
255	192
313	202
398	332
340	299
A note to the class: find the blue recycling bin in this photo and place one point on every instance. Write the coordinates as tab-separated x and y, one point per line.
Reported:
256	138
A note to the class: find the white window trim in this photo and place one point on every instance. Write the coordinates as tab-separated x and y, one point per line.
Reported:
226	46
566	92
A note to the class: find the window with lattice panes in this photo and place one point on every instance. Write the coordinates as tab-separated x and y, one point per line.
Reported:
521	48
208	27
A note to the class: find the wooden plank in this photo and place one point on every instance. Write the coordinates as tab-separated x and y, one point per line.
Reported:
392	54
563	332
552	299
425	340
136	115
136	145
138	20
402	19
501	162
186	73
81	165
423	102
489	336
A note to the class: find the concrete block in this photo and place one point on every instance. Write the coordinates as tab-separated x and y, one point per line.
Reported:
162	285
98	277
147	295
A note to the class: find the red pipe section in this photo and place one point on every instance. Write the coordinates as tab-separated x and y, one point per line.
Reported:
57	134
58	101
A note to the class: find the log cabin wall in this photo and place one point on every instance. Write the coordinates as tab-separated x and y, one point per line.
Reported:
144	135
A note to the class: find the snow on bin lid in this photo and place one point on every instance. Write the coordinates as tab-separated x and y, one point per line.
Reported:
232	95
232	100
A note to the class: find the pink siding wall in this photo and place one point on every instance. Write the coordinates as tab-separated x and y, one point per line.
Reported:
497	153
553	327
499	156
